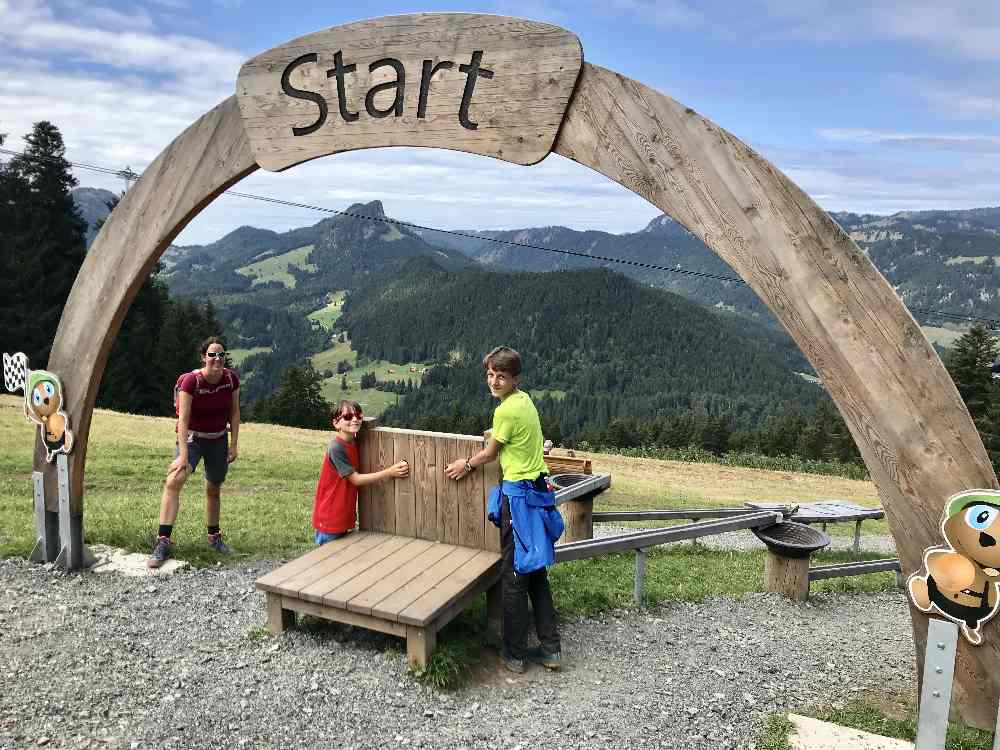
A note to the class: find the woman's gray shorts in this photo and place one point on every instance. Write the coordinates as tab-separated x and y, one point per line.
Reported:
215	453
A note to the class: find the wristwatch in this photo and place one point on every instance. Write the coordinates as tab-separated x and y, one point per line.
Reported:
468	467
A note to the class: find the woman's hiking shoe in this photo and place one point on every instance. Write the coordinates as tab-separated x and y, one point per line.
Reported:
216	543
538	655
162	551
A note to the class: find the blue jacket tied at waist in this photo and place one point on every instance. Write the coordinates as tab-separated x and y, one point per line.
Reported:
537	524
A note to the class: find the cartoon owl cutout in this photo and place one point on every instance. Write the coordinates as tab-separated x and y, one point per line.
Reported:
43	403
962	578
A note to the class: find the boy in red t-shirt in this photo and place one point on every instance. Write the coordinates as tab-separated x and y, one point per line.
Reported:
335	510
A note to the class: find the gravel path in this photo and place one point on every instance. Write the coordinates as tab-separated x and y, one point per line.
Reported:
114	662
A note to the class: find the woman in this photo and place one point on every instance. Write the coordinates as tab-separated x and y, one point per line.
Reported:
207	401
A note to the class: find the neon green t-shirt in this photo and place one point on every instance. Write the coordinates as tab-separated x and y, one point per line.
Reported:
517	429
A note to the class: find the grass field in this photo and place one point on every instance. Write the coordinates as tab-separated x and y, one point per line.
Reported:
373	401
268	498
327	316
238	355
276	267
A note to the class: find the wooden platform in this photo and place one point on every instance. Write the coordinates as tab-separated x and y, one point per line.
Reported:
400	585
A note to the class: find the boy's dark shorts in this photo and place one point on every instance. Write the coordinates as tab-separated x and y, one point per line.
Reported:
215	453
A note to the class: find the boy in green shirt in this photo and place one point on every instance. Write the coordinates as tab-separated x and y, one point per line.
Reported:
517	439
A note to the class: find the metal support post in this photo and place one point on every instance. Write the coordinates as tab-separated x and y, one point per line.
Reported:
857	537
939	671
73	555
640	575
46	530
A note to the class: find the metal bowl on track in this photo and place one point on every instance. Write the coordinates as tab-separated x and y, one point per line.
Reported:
790	539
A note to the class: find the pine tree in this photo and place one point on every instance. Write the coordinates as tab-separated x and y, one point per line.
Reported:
298	402
43	246
969	363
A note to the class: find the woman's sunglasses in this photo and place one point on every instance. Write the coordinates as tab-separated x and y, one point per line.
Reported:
355	415
214	355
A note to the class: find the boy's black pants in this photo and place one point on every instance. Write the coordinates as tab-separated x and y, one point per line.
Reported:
517	589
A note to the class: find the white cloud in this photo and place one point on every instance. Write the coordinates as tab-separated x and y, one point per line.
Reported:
956	142
968	28
32	27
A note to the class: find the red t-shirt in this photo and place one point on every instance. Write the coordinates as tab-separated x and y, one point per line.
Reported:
335	509
211	405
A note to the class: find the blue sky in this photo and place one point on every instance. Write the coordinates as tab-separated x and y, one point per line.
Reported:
870	109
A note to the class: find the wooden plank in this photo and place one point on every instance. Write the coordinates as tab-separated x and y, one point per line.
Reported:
368	598
405	492
319	587
491	533
425	608
366	450
343	615
569	465
430	433
484	584
382	494
426	476
308	560
471	506
449	491
294	584
514	100
387	567
390	607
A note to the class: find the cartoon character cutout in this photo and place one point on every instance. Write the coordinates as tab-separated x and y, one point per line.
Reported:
43	403
962	578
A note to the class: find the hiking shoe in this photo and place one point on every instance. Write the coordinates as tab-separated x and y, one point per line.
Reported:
538	655
161	552
216	543
513	665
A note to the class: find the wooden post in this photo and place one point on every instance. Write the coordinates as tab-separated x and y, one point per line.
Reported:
788	576
578	515
278	620
420	643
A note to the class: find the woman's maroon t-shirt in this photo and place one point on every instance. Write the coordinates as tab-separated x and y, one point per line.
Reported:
211	405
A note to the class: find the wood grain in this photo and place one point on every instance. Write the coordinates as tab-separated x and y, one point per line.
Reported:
405	499
367	449
471	506
517	110
491	533
901	406
425	486
449	493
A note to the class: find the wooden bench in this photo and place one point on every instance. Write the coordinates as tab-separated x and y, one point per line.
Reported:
423	552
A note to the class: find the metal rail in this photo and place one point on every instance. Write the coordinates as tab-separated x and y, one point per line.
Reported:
694	514
840	570
654	537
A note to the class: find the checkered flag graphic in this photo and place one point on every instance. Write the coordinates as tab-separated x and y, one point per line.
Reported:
15	371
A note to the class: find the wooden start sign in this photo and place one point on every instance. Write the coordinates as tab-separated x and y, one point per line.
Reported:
483	84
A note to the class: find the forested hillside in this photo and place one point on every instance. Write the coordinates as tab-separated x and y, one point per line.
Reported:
597	346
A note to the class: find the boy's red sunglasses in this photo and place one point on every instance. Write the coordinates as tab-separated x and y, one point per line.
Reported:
349	415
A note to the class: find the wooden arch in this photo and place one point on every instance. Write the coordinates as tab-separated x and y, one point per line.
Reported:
517	90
